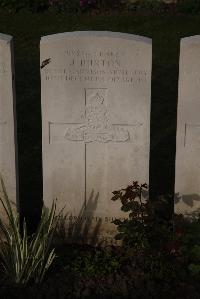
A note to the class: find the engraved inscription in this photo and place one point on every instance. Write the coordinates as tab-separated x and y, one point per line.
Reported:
93	218
91	53
136	77
97	125
97	66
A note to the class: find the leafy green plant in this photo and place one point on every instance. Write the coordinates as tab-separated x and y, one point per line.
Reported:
13	4
34	6
188	6
26	258
65	6
38	5
145	5
187	234
92	263
144	227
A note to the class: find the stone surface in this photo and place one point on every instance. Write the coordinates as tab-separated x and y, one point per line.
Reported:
96	90
8	144
187	182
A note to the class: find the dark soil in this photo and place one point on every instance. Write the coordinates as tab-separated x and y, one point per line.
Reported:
87	272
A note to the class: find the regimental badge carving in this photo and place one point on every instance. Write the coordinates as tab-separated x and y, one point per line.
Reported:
97	126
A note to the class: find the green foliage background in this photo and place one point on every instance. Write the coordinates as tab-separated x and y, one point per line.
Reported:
67	6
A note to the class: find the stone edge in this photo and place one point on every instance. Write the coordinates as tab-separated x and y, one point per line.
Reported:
5	37
59	36
190	39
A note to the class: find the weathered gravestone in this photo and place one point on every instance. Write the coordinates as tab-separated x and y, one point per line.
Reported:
187	183
96	124
8	143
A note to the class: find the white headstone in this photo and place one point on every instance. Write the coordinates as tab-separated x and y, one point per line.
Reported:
96	90
187	181
8	145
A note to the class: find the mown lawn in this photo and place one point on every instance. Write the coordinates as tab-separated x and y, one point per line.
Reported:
165	31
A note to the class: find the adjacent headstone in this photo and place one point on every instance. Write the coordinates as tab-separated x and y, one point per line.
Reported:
96	90
8	144
187	182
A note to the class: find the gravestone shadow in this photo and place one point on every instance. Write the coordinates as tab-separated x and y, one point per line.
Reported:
163	121
29	136
188	199
82	228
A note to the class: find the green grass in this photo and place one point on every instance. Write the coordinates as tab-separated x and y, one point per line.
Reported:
165	31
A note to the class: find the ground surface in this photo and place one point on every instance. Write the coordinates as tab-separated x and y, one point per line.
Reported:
85	272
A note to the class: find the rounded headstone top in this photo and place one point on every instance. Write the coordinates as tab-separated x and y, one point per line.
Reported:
191	39
5	37
59	36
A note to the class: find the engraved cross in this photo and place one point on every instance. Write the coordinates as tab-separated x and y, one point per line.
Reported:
96	127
